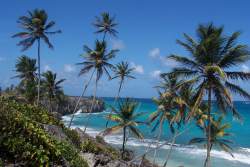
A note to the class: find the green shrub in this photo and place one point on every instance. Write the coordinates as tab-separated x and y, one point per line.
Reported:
24	139
73	136
72	155
100	139
97	148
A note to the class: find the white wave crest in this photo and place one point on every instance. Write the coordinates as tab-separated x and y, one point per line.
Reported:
241	155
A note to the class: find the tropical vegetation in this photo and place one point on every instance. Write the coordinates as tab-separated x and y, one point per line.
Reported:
198	91
209	66
36	27
121	72
126	119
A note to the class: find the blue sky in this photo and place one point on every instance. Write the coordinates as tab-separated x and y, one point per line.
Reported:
147	34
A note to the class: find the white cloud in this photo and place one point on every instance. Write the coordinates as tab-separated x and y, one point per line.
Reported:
69	68
245	68
155	74
118	44
47	68
156	54
138	68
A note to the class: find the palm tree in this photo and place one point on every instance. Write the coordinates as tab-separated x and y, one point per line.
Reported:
126	120
96	60
26	69
171	106
106	25
51	87
218	134
122	71
212	55
36	27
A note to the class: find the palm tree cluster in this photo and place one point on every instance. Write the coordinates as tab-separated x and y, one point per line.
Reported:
199	89
36	27
51	91
97	60
208	69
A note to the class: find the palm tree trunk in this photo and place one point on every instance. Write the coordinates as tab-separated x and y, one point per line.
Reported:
171	148
207	162
124	141
116	98
92	105
39	71
79	98
158	140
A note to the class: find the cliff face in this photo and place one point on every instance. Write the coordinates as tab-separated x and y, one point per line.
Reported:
85	104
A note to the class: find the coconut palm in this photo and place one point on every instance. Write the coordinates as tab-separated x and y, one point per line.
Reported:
122	71
171	106
36	28
218	136
26	71
106	25
126	120
51	87
168	101
212	56
96	60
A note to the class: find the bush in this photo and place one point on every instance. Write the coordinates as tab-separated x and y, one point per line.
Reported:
72	155
73	136
91	146
24	140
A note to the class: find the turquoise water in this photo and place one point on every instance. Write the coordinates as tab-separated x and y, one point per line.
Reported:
182	154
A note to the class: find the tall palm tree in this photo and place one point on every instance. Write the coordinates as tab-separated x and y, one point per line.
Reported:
106	25
126	120
26	71
122	71
51	87
36	28
218	134
96	60
212	56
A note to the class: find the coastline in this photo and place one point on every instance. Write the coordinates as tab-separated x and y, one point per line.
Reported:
193	152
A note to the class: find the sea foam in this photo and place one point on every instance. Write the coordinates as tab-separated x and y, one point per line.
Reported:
241	154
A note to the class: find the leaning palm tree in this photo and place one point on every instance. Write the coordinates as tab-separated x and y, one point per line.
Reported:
171	106
106	25
26	71
212	56
36	28
218	134
96	60
51	87
126	120
122	71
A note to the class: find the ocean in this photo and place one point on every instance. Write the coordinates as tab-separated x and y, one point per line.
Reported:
182	153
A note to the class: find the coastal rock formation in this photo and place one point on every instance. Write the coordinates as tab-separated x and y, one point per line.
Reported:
67	106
